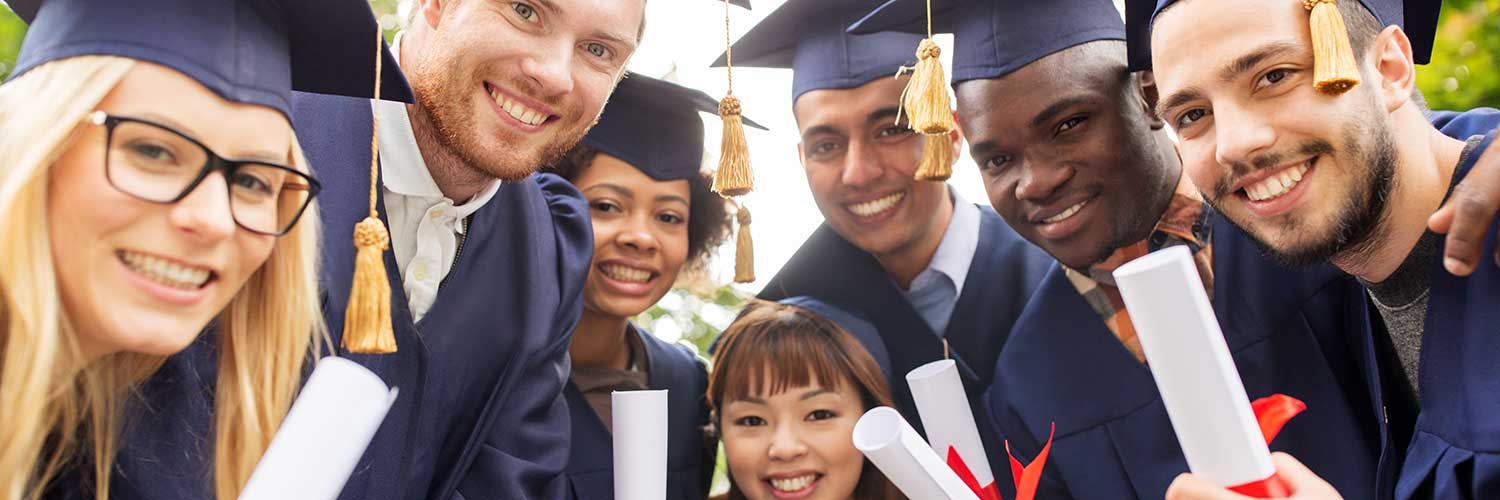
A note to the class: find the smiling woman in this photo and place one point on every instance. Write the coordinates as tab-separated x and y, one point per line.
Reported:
146	200
790	380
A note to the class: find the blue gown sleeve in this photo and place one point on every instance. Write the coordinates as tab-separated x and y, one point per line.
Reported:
530	447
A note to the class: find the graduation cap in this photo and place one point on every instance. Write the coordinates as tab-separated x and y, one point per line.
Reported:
654	125
1334	67
249	51
992	38
253	52
853	322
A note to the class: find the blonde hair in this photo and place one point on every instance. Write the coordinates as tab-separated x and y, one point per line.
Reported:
48	394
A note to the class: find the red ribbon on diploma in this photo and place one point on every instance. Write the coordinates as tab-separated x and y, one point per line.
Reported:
956	462
1272	413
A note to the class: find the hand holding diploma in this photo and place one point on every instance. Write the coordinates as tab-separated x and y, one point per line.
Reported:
639	423
323	435
1300	482
1195	374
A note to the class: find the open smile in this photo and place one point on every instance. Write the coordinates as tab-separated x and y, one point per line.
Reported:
794	487
524	113
1276	191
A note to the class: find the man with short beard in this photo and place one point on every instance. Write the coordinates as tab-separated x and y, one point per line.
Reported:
940	277
1348	178
487	261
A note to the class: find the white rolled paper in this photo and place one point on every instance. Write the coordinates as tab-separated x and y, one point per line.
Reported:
944	408
1194	372
324	434
907	461
639	425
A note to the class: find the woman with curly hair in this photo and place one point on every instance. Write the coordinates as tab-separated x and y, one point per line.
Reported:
654	216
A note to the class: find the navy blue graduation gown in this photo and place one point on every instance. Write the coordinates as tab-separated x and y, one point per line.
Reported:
1290	332
690	461
1454	451
481	412
1002	276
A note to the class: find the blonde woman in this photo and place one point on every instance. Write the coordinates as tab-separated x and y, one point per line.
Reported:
151	187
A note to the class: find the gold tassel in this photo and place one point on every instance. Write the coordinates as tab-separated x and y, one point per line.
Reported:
937	158
367	320
1334	68
734	177
926	95
744	249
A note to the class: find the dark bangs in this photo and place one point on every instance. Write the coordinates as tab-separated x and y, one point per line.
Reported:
772	347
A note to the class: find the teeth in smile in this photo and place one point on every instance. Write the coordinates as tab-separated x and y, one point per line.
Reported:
1066	213
873	207
793	484
628	274
1276	185
166	272
517	110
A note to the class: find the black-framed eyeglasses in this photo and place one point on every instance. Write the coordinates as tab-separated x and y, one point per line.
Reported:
156	163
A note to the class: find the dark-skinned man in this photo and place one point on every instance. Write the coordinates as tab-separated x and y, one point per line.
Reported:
1077	162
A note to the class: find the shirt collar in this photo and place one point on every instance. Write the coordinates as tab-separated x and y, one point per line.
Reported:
403	171
956	251
1184	222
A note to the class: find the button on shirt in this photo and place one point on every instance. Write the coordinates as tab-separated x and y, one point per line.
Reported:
425	225
935	290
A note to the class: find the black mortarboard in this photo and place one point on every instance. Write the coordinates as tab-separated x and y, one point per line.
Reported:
854	323
992	38
655	126
808	37
1418	18
249	51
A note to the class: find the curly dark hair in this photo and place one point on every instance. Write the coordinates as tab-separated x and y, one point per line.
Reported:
709	215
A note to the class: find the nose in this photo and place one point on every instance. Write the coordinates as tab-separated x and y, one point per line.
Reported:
1039	180
636	235
786	445
550	68
204	214
1240	135
861	165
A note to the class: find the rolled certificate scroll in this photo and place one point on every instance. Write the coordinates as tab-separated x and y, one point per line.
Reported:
944	408
639	421
323	435
907	461
1196	376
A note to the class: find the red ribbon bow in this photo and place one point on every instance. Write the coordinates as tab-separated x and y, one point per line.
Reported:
1272	413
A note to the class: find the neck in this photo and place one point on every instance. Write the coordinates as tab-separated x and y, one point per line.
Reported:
905	263
1165	154
599	340
1426	161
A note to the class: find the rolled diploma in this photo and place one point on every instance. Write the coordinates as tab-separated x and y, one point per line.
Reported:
944	408
639	423
907	461
1189	358
324	434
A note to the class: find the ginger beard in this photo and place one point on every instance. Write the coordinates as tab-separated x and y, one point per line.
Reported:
449	99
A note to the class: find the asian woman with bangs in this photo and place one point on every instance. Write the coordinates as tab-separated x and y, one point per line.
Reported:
790	380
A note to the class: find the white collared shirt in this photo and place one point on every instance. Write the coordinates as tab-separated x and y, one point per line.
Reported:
425	225
935	290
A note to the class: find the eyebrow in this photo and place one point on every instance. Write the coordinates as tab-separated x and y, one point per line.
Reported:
176	126
663	198
1052	110
883	114
1230	72
813	393
615	188
628	41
